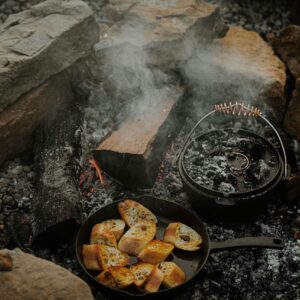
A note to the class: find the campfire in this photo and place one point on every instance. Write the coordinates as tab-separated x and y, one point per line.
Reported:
86	180
187	110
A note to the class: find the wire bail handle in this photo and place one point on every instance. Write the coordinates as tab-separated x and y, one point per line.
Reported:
238	109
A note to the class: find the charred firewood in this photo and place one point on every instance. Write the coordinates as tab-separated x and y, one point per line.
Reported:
133	153
56	209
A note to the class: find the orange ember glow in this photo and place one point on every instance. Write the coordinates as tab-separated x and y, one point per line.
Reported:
98	170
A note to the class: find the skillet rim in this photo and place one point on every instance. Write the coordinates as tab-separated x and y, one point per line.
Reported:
159	292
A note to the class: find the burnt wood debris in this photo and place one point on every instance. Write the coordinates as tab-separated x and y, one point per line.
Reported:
56	208
97	99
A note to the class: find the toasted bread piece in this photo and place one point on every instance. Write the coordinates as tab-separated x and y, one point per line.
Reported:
140	272
101	234
116	226
155	252
116	277
122	276
182	236
174	276
106	278
133	212
90	259
137	237
112	257
154	280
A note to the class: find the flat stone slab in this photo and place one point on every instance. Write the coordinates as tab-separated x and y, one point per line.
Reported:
33	278
134	151
239	67
167	34
148	35
42	41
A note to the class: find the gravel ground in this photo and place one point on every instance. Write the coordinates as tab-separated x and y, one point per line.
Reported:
235	274
259	15
238	274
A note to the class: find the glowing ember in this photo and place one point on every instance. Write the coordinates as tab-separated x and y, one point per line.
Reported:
87	178
98	170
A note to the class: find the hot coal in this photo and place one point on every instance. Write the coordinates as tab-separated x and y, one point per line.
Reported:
229	161
239	274
236	274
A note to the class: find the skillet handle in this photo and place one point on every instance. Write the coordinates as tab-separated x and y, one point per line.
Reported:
261	242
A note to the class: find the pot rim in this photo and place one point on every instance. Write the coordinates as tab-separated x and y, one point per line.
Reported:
238	195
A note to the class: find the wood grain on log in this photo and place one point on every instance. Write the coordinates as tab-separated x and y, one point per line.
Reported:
134	152
56	209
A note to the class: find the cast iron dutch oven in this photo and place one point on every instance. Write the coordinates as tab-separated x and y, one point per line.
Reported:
206	194
190	262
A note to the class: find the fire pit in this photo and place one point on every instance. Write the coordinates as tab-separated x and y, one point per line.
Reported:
228	167
177	54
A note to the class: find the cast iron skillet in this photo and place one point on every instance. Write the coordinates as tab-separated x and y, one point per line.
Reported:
166	212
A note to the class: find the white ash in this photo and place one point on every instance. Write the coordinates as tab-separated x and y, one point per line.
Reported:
210	160
218	280
226	188
263	169
100	116
242	274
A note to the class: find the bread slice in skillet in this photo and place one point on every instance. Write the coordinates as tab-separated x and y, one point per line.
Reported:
140	272
173	275
137	237
106	278
182	236
155	252
116	277
133	212
90	257
153	282
116	226
101	234
112	257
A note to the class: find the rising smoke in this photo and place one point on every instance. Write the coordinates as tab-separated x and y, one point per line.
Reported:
212	74
133	81
217	75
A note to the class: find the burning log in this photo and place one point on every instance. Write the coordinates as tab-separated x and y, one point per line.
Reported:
56	209
134	152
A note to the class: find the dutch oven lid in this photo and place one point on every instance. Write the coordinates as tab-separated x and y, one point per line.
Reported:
231	163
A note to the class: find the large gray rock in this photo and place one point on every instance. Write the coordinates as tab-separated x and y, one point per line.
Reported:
33	278
239	67
168	34
42	41
152	34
